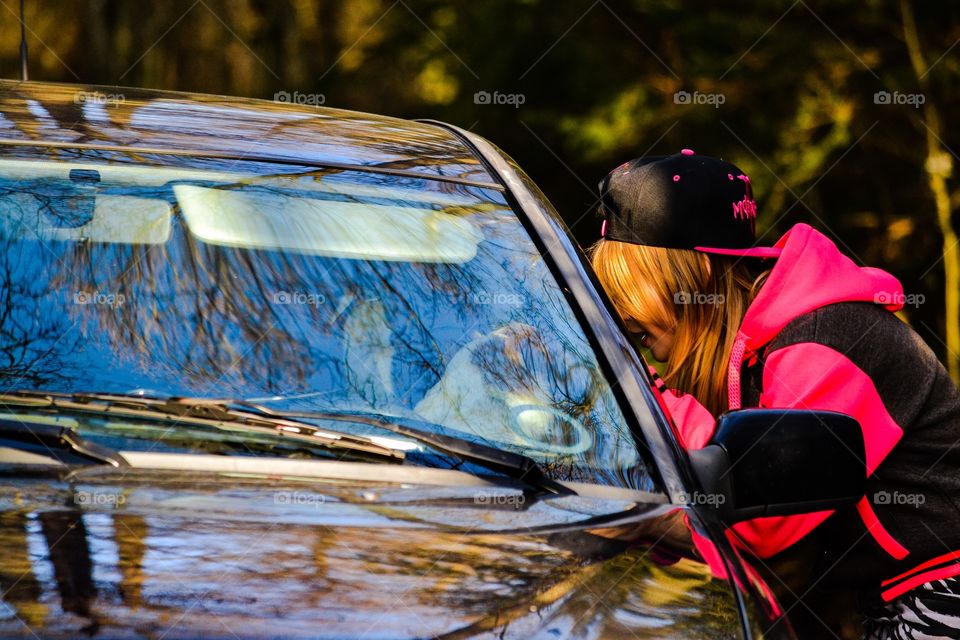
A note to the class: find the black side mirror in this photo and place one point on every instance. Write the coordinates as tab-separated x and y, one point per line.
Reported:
773	462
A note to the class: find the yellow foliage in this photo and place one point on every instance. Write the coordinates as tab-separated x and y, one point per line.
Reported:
435	85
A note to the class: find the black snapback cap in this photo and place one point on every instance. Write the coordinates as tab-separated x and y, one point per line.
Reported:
681	201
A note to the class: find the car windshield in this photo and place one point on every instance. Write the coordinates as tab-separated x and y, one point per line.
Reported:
305	290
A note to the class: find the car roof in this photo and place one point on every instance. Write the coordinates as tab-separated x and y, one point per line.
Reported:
163	123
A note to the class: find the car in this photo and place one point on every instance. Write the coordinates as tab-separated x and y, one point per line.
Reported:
273	370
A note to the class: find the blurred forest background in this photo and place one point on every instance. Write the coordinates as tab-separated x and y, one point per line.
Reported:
841	112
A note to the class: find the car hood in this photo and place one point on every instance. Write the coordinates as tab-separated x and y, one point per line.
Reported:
146	554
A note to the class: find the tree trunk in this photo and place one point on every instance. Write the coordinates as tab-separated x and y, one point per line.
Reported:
939	167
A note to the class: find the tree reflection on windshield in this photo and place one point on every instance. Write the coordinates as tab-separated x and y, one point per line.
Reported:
271	297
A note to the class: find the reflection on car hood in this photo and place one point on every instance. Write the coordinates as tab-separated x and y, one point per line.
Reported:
148	557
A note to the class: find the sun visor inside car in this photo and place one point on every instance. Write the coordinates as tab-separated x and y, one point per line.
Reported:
263	218
116	219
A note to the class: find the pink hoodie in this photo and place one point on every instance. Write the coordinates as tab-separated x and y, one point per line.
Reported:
810	273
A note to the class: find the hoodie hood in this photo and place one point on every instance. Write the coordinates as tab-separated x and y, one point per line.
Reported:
812	273
809	274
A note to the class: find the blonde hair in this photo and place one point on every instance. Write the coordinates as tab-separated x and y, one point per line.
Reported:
702	298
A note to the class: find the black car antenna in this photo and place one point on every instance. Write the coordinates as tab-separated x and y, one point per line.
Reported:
23	45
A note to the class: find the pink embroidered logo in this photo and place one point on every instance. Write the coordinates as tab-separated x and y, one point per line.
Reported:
746	209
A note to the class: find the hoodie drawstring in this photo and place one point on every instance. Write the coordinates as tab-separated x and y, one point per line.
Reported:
733	371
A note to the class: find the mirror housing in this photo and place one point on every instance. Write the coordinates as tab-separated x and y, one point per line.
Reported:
779	462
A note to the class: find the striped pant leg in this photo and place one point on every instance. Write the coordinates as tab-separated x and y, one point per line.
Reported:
929	612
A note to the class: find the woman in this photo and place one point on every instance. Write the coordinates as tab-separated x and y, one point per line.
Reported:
796	325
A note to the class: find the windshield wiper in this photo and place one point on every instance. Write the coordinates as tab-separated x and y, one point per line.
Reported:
62	443
257	417
196	411
514	465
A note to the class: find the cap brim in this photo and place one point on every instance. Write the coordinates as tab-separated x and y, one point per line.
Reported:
752	252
